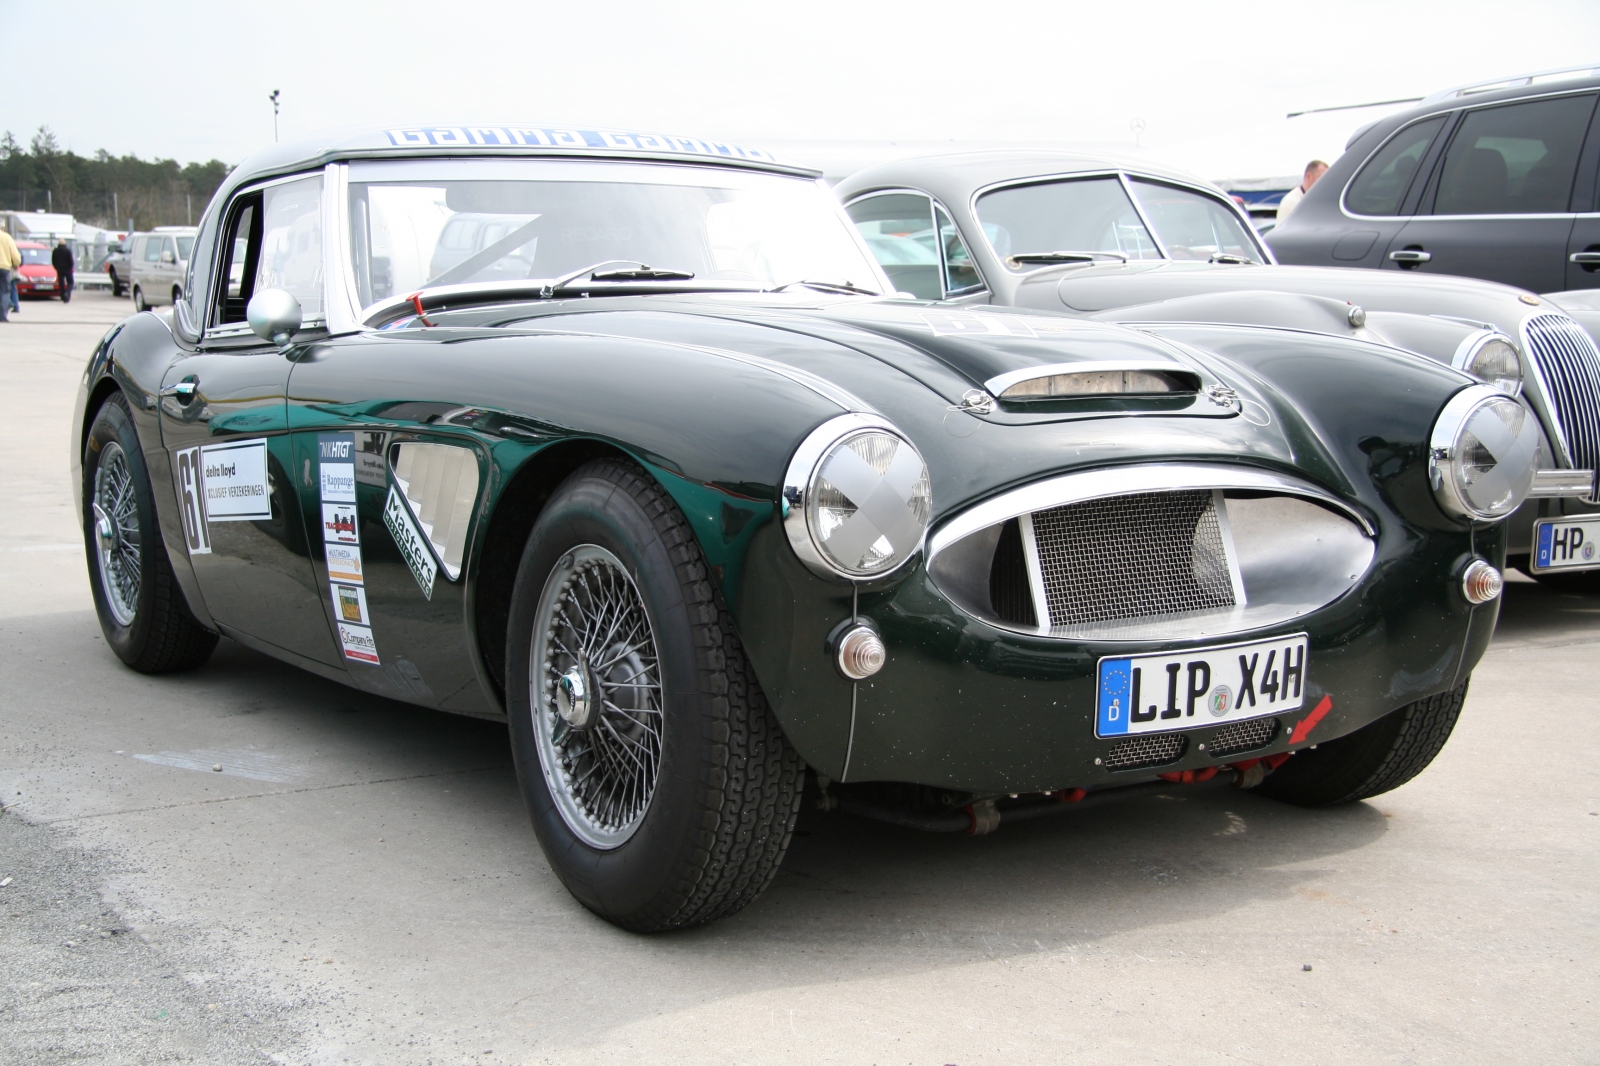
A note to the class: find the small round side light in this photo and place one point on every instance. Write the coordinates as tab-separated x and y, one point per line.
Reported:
861	653
1480	582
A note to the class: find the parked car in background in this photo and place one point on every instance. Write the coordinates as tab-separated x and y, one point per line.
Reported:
716	531
1119	240
1495	180
159	260
37	277
119	266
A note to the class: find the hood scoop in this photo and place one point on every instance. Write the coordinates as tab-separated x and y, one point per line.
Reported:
1094	379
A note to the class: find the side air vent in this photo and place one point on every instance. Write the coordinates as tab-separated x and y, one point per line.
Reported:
440	482
1140	752
1242	736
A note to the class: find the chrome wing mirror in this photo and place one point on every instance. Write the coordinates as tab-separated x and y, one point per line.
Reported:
274	315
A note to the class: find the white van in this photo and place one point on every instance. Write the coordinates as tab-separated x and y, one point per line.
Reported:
157	261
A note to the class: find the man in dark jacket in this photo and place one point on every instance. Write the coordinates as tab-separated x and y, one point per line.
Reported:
61	259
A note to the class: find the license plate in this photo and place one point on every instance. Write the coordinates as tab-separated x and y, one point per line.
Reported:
1571	543
1200	687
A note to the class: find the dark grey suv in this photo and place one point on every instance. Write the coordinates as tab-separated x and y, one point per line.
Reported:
1494	181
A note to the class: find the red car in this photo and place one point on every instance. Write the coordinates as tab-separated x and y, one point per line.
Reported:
37	277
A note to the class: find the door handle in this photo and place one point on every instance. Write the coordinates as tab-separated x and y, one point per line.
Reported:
183	391
1585	258
1410	255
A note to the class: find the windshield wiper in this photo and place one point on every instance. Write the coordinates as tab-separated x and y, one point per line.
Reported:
1064	257
826	286
644	273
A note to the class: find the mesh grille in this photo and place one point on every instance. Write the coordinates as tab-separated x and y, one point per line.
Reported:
1243	736
1569	365
1148	553
1146	751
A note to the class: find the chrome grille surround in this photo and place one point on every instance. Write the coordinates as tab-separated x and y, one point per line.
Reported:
1243	736
1155	750
1566	365
1089	574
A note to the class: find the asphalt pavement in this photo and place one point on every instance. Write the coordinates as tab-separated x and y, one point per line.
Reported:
359	884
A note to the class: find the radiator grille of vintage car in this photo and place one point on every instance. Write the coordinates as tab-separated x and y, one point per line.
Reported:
1127	560
1568	365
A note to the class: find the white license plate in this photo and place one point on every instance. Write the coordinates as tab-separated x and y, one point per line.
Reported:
1200	687
1571	543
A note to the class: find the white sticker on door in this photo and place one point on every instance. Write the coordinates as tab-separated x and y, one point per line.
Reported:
234	476
344	562
339	523
397	517
358	644
350	604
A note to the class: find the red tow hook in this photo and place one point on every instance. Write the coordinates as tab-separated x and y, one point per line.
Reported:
416	303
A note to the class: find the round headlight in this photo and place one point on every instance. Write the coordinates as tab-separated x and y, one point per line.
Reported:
1493	359
856	500
1481	456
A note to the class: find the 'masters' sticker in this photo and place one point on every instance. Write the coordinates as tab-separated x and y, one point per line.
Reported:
397	517
358	644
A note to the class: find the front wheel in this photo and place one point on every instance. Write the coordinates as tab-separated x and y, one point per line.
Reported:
142	611
1376	758
138	300
117	287
658	781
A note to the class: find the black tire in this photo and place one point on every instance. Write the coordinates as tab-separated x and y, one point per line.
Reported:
727	785
1583	582
142	611
138	300
1374	759
177	294
117	287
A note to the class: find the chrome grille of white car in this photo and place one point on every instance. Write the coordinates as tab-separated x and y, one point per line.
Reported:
1568	365
1135	556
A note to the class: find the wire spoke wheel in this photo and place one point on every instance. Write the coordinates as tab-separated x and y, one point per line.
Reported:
595	696
116	533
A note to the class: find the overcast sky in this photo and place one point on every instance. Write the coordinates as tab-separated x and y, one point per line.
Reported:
190	79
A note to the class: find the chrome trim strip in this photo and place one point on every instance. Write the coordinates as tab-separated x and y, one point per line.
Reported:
1229	552
1030	555
339	300
1550	484
1000	383
1552	409
1138	209
1122	480
842	398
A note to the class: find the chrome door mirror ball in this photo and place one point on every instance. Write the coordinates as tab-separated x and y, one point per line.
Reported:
274	315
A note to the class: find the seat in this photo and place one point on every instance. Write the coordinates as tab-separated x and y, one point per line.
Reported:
1475	186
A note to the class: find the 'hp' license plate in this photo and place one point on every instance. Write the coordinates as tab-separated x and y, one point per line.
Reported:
1200	687
1571	543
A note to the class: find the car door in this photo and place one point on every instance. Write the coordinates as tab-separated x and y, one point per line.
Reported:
224	422
1497	206
1583	245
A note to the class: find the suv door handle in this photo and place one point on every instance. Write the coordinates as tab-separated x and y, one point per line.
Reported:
1410	255
1585	258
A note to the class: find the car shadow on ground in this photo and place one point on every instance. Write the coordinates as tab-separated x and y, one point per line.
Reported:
1535	613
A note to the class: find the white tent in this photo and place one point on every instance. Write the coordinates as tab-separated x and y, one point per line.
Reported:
39	226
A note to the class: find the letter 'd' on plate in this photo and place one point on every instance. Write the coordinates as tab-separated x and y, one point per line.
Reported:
1200	687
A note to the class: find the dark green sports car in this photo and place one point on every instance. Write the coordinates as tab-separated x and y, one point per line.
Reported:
612	437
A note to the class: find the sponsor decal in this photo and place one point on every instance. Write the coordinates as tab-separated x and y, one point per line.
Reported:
350	604
192	502
397	518
551	137
339	524
233	477
958	324
338	482
344	563
358	644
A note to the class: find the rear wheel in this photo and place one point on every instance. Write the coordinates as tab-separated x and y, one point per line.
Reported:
142	611
138	300
658	781
1374	759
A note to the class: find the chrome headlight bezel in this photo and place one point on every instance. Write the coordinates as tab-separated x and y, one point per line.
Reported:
1476	354
1452	441
800	486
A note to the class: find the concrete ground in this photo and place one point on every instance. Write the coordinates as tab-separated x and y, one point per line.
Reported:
359	883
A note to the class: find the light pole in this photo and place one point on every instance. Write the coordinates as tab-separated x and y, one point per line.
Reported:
274	99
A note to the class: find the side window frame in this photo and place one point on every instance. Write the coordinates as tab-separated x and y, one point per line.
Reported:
932	223
941	214
1421	179
1428	195
216	322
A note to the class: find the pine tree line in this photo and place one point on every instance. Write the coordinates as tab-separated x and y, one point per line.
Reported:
103	189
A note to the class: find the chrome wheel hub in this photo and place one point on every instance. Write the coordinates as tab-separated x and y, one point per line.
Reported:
116	533
595	694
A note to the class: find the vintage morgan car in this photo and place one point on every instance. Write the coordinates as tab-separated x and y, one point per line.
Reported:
1121	240
713	524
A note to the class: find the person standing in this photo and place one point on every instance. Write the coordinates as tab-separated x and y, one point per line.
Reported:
1291	199
61	259
10	263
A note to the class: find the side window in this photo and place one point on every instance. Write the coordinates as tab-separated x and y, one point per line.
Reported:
169	250
241	245
1381	186
898	228
1514	160
1192	225
291	242
960	275
152	249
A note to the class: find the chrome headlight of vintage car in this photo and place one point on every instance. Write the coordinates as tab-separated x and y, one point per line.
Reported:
1481	456
855	500
1492	358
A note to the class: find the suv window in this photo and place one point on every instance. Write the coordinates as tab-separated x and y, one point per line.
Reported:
1381	186
1514	160
898	229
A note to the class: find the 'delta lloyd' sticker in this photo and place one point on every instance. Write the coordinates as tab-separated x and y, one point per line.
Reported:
397	517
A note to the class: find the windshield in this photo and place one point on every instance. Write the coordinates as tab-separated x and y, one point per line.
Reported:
416	224
1096	215
35	256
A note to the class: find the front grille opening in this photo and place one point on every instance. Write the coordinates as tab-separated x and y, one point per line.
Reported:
1569	365
1242	736
1146	751
1010	596
1134	556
